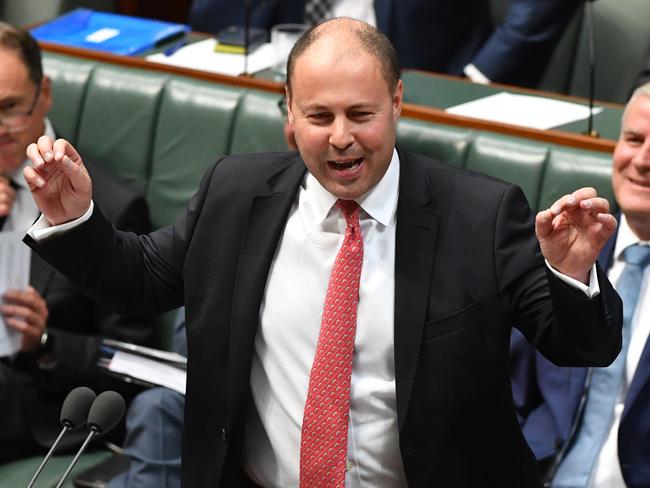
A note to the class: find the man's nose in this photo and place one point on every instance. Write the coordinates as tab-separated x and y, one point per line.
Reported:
341	136
642	157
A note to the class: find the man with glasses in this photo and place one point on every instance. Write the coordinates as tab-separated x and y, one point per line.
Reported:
60	329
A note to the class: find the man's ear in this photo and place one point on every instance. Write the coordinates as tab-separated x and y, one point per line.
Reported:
398	98
287	95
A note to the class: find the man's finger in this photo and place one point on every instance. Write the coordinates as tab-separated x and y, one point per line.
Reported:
544	223
45	150
584	193
33	179
566	202
17	324
63	148
596	205
34	155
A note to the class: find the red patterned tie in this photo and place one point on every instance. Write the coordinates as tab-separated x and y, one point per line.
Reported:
324	441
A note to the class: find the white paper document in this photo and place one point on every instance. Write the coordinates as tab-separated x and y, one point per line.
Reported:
14	263
202	56
148	370
524	110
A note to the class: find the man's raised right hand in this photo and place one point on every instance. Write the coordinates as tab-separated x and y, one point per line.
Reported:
58	180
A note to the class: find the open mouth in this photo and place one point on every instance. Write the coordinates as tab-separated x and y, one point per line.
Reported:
348	165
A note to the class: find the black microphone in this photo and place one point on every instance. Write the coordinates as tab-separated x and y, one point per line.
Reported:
73	415
104	414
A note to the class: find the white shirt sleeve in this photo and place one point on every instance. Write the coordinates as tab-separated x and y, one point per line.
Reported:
592	290
42	229
473	73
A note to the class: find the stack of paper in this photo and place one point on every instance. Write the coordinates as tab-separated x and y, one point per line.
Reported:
523	110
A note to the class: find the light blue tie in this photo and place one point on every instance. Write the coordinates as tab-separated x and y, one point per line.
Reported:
575	470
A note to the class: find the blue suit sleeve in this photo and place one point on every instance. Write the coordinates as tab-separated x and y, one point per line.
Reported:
520	48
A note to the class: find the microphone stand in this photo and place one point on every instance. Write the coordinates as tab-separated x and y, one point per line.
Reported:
592	67
247	33
93	433
47	457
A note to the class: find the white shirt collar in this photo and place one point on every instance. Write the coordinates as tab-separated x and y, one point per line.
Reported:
380	202
625	238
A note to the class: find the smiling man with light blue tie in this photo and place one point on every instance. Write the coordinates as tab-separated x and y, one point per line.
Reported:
591	428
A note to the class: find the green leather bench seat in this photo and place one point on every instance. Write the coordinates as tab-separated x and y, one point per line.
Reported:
162	131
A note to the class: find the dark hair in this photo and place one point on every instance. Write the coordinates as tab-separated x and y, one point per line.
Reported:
371	39
25	46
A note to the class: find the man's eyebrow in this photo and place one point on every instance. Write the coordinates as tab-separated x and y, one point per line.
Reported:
356	106
10	98
632	133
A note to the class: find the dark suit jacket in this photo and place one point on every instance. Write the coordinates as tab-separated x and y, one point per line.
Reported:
438	35
77	323
467	267
549	398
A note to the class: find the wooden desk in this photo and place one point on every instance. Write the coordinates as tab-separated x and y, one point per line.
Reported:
427	95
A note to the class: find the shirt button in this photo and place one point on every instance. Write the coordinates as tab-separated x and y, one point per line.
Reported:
349	465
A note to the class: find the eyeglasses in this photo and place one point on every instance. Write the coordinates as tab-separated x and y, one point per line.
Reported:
14	119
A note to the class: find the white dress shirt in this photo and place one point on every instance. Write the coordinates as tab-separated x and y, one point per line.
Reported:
607	472
290	320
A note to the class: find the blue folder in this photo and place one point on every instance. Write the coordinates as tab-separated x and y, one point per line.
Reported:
115	33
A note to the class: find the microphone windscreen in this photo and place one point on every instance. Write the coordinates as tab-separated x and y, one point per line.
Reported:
76	405
105	412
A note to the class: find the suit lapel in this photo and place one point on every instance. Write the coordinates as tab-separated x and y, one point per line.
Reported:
415	247
640	379
266	221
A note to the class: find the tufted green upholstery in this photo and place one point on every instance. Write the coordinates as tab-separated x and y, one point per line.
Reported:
446	143
162	131
189	112
118	119
69	88
510	159
258	124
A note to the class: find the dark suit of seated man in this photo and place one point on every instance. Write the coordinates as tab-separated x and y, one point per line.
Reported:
591	427
349	306
60	327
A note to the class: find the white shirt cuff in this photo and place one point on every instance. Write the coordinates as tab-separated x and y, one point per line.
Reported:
591	291
473	73
42	229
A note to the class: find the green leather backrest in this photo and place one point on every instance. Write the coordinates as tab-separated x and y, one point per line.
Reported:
568	169
516	160
69	77
258	124
193	129
118	120
437	141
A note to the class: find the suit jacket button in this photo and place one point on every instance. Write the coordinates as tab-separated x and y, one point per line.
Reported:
224	434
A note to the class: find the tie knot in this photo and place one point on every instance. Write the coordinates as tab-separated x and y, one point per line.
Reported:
637	255
350	210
